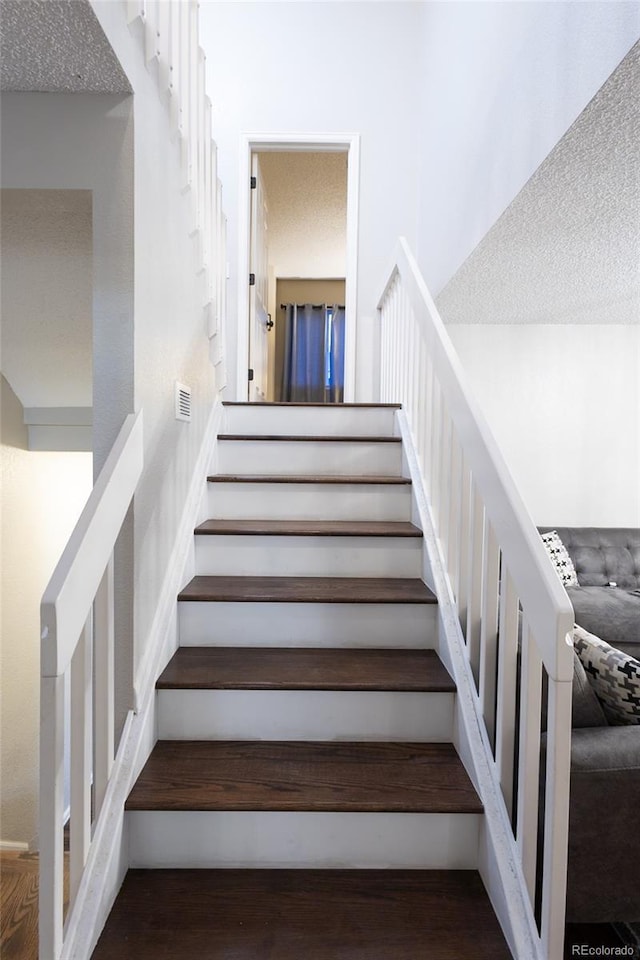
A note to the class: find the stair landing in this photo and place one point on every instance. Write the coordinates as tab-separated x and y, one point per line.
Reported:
302	915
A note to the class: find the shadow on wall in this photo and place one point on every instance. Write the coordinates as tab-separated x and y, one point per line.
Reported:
42	497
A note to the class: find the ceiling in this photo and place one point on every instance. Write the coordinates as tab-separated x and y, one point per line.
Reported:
56	46
307	212
567	249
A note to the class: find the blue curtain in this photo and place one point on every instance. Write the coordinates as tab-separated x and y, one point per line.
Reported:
313	370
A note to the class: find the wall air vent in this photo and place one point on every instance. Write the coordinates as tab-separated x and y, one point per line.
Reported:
183	402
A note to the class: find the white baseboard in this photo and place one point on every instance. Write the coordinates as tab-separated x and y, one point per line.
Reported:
16	845
108	859
499	864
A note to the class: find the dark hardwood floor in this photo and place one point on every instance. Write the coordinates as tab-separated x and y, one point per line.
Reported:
19	904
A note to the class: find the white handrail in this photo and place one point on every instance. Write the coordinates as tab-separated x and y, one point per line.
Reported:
72	637
69	595
505	589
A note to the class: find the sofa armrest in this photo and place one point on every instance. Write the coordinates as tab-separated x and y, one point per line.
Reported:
604	825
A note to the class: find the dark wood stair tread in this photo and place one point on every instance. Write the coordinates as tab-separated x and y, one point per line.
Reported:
304	776
287	668
307	478
310	528
308	590
310	438
302	915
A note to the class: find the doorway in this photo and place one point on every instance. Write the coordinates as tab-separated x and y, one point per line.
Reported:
298	249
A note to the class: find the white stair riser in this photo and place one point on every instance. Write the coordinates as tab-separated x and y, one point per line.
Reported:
276	556
327	458
293	839
307	624
309	501
304	715
305	421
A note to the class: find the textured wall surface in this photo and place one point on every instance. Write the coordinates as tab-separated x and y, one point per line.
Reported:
42	496
567	250
46	293
500	84
56	45
307	196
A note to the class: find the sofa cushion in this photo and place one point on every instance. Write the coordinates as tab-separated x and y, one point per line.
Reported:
560	558
611	613
614	675
603	555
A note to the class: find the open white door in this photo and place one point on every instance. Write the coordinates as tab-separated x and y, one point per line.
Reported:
259	287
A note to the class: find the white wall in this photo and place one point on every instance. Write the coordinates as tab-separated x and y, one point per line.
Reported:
150	327
42	496
564	405
500	84
171	341
46	266
323	68
457	104
85	142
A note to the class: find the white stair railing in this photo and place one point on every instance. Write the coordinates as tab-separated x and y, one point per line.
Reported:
170	45
77	619
514	614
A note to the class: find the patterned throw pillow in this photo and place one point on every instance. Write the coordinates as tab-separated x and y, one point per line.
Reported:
614	675
560	558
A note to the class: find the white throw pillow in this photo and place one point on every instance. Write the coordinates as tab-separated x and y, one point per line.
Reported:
560	558
614	676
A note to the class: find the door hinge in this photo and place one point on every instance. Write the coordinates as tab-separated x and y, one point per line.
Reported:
250	374
252	279
254	183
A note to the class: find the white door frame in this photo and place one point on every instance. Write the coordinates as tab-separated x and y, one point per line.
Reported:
316	142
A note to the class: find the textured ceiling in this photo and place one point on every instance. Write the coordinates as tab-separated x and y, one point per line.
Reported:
307	215
56	46
567	249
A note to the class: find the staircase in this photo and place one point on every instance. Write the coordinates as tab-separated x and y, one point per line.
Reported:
305	723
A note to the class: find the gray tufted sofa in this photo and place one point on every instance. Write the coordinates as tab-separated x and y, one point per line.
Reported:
604	819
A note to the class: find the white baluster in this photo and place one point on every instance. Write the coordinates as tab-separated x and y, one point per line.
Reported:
455	502
444	484
489	628
507	682
104	685
474	592
51	813
556	821
81	753
529	757
462	578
